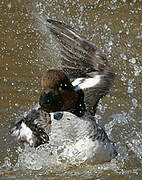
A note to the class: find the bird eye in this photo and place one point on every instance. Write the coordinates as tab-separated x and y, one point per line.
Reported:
60	89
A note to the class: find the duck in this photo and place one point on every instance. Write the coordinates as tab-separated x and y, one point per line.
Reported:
69	98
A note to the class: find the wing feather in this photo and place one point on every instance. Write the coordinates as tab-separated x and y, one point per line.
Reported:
82	59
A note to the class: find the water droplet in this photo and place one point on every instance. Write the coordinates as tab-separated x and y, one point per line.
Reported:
134	101
9	5
123	56
133	60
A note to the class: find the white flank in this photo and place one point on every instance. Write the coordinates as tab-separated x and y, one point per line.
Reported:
85	83
86	149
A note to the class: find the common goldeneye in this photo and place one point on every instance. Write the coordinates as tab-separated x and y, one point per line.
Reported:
71	94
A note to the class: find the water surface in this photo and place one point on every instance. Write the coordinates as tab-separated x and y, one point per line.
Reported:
114	26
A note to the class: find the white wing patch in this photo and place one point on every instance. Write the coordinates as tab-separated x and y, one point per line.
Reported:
77	81
25	133
84	83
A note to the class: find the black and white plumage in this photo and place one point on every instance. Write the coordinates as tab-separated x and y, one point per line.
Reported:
33	127
84	63
88	70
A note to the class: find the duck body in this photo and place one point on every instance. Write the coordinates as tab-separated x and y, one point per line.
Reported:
81	140
69	98
77	139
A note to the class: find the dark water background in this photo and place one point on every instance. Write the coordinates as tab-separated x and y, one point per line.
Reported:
114	26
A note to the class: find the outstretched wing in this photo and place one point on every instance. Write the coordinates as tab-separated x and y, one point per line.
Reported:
33	128
83	62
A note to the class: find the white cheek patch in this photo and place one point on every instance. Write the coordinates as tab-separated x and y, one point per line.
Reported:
84	83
